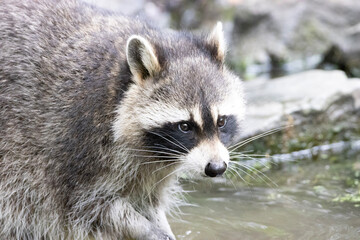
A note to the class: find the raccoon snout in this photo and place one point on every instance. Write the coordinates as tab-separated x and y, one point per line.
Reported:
215	169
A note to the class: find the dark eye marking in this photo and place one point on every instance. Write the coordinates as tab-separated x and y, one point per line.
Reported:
229	129
180	136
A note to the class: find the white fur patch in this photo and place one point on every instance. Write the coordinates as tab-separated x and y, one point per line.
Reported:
233	105
158	115
196	112
214	113
197	159
233	102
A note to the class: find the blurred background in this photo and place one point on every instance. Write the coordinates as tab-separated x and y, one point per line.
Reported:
296	174
265	38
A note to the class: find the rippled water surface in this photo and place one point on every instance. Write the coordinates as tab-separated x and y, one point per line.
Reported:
301	206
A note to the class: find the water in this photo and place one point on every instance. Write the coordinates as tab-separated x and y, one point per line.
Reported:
301	206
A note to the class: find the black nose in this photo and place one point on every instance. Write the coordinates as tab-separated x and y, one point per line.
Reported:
215	169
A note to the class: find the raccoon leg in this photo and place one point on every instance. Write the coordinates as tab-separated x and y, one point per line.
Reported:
162	222
132	225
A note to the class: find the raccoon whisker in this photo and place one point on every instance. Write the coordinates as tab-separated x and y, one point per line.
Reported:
246	141
157	157
167	165
248	158
227	178
152	151
160	161
258	161
237	174
242	165
236	154
235	168
240	156
255	171
232	183
240	152
169	141
165	148
173	151
266	177
243	156
184	147
256	157
122	90
158	182
251	156
232	170
159	135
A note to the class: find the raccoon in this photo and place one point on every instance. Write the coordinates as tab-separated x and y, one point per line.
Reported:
99	116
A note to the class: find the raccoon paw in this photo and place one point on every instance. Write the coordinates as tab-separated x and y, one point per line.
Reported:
160	235
166	237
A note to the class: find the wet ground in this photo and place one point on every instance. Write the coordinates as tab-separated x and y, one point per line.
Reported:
312	200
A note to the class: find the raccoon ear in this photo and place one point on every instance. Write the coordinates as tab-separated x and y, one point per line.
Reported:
141	57
216	42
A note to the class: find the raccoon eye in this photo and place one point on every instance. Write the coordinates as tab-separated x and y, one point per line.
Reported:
222	122
184	127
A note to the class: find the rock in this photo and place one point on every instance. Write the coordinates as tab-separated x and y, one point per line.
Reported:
295	30
345	54
303	97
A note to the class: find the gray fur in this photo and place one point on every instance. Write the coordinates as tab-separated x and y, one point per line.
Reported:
72	113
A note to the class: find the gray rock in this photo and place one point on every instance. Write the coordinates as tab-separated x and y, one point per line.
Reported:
299	95
286	31
345	53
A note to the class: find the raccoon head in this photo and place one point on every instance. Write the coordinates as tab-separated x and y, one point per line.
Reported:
184	106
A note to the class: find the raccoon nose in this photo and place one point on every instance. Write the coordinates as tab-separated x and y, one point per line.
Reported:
215	169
